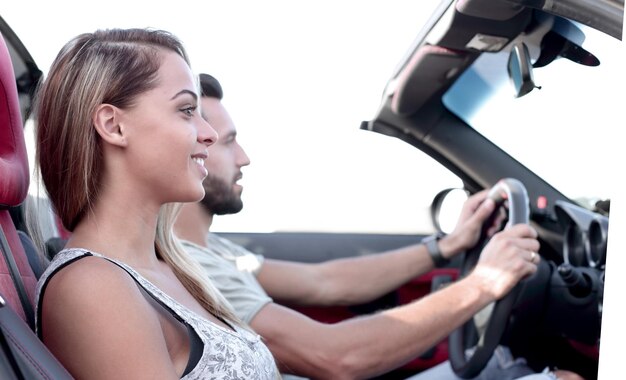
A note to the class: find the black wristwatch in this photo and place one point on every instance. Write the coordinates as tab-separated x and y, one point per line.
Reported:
432	245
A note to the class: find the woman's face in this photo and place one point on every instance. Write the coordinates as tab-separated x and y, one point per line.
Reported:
167	138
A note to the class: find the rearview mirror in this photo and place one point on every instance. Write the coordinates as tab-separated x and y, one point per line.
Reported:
520	70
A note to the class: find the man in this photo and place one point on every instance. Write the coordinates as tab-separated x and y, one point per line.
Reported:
360	347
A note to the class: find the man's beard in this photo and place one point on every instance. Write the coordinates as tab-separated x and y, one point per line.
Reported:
219	197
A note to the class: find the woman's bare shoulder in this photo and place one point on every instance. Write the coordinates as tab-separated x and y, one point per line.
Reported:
90	277
92	286
90	309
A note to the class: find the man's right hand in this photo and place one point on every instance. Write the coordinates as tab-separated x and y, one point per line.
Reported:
510	256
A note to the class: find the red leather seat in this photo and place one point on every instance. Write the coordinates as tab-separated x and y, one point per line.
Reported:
14	181
22	354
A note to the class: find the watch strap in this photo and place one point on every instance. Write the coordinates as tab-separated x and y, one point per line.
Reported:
432	245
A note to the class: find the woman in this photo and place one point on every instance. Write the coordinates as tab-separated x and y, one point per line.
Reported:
119	140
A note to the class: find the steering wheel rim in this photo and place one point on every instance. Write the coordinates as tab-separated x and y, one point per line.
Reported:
464	366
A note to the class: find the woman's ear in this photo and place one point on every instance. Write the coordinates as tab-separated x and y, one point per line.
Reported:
106	122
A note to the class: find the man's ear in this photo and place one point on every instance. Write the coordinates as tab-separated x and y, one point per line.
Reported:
106	121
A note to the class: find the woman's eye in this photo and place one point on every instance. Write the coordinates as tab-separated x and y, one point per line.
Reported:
189	110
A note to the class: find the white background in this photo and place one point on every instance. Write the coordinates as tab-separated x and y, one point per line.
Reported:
299	78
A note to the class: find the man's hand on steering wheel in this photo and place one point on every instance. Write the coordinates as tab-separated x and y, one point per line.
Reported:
510	256
476	210
495	266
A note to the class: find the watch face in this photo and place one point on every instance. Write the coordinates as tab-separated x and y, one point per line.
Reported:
434	237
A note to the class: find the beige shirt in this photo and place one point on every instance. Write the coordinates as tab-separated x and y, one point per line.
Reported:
232	269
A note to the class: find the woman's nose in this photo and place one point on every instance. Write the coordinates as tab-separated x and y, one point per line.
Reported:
206	134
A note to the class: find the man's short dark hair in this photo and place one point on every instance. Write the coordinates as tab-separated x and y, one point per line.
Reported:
210	87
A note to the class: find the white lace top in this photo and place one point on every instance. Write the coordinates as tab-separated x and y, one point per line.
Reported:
225	354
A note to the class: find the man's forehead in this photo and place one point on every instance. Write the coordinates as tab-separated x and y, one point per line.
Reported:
214	112
212	107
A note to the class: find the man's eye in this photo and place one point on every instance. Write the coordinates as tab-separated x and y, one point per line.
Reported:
189	110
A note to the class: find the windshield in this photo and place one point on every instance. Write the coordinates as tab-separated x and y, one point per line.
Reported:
568	119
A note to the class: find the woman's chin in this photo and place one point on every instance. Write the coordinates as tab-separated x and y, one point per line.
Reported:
194	195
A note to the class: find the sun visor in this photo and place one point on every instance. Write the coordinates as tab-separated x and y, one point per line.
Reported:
429	70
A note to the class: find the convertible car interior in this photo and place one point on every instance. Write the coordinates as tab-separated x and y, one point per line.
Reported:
464	55
456	64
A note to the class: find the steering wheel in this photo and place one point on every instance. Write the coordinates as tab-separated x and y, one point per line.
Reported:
496	314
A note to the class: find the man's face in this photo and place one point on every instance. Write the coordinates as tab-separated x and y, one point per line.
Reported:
226	158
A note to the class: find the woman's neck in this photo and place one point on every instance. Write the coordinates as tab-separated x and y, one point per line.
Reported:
123	232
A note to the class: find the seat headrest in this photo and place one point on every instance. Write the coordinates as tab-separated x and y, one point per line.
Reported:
14	172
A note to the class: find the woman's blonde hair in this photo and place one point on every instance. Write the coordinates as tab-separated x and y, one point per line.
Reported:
111	66
188	271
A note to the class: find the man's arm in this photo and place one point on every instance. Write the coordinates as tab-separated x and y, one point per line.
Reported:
366	346
371	345
343	281
362	279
